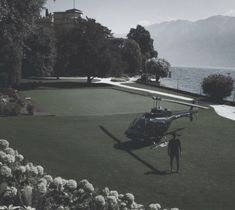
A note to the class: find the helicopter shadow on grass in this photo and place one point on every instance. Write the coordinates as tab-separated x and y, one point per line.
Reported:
134	145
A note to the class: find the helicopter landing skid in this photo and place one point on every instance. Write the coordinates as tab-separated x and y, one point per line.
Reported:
163	142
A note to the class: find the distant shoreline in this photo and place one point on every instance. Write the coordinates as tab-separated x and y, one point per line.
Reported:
204	67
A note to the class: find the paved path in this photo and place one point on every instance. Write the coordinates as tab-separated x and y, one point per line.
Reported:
225	111
122	84
222	110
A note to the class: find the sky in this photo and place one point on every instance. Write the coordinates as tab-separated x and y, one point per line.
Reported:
121	15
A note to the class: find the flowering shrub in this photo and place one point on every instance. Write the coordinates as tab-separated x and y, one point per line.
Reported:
12	104
24	186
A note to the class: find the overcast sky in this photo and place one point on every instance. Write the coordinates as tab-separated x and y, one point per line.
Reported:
121	15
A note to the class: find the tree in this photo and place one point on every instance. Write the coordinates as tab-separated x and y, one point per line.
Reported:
82	47
131	53
158	66
40	52
217	86
93	46
16	20
143	38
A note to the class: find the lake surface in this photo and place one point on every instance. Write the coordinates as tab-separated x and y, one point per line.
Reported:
190	78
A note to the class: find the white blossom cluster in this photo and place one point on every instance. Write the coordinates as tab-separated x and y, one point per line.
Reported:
27	186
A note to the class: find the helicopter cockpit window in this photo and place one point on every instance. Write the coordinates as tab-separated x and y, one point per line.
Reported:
139	124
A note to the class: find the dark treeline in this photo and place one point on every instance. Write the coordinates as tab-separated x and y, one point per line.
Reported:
81	47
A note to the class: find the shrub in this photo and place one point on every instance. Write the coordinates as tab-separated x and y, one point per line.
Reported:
30	108
217	86
158	67
144	78
24	184
12	109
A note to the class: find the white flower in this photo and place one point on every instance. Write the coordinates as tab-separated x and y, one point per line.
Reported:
34	171
134	205
83	182
123	205
58	181
89	187
5	171
43	180
11	207
10	192
120	196
9	159
10	151
42	188
20	157
60	208
2	155
114	193
99	200
130	198
64	182
81	191
4	144
155	206
112	201
106	191
48	178
71	184
40	170
86	185
31	169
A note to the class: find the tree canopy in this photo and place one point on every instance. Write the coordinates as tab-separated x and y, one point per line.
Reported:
16	20
217	86
143	38
40	52
82	48
157	66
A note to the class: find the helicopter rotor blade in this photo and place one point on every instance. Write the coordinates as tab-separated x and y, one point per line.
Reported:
186	104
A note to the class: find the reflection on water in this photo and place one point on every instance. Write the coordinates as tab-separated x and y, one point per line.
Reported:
190	78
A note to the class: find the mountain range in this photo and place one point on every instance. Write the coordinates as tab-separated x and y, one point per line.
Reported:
207	42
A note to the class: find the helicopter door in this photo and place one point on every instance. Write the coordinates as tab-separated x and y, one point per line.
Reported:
151	130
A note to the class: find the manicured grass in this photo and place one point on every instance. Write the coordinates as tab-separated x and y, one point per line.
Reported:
91	101
86	146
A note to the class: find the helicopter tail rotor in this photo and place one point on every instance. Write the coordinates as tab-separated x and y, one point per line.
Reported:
192	113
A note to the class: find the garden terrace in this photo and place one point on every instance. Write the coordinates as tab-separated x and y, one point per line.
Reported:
85	139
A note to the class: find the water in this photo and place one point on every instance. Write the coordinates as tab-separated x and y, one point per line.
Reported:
190	78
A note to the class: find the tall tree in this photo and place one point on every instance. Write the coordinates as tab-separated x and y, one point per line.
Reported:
131	53
16	20
82	47
40	52
143	38
93	45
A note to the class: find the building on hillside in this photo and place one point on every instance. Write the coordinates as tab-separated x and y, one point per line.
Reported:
66	17
71	15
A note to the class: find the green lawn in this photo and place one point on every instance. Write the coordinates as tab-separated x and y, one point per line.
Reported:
91	101
81	141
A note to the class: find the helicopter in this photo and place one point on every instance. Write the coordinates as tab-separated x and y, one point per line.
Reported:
153	126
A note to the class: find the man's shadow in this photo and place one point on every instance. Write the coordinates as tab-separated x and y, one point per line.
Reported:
133	145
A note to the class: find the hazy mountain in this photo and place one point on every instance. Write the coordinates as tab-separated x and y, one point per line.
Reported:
207	42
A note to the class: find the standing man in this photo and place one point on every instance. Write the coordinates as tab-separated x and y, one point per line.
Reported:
174	151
